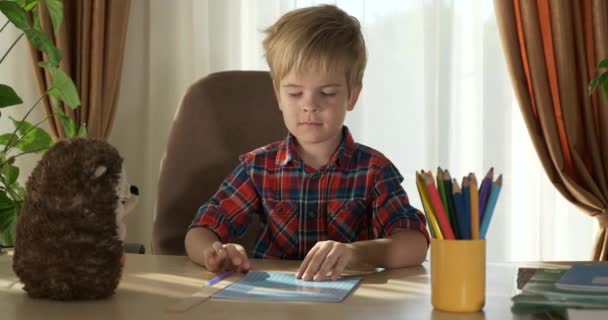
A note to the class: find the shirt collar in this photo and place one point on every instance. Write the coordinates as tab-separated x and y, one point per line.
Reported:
287	151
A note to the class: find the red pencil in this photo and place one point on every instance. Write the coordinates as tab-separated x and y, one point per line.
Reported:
439	210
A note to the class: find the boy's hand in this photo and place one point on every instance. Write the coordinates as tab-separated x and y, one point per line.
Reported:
226	257
327	259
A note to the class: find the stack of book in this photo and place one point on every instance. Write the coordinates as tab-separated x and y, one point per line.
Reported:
553	291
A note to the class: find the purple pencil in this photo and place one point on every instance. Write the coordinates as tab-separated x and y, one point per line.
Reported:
484	192
218	278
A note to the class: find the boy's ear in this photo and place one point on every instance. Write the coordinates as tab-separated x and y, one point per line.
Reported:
354	97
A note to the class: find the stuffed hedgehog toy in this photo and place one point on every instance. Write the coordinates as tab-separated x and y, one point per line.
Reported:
69	241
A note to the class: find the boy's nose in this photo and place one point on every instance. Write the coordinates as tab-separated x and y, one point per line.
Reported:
310	103
310	108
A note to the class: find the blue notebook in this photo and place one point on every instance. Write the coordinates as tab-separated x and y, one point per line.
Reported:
258	285
585	277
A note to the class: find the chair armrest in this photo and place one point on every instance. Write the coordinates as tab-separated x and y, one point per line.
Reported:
134	247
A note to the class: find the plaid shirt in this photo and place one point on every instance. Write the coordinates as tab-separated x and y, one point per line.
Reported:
356	196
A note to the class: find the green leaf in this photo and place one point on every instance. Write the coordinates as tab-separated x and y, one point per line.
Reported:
603	64
69	126
63	88
55	8
8	96
33	139
9	210
83	132
42	42
10	173
5	138
15	14
19	190
600	80
46	64
5	201
28	5
36	19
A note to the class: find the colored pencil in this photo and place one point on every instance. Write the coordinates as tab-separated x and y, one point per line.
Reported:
496	186
463	220
438	209
474	206
442	193
466	196
447	183
484	192
430	216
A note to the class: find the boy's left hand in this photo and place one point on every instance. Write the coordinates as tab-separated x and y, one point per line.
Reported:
326	260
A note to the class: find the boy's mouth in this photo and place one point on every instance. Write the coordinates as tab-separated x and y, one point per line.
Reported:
309	123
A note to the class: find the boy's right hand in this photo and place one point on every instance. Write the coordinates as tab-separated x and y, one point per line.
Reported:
226	257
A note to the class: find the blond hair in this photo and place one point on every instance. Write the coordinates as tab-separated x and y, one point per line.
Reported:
319	38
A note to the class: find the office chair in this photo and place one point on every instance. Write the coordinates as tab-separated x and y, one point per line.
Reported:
221	116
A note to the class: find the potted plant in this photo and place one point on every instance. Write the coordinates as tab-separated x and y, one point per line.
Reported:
29	137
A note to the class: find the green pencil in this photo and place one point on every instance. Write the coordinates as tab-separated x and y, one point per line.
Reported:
442	194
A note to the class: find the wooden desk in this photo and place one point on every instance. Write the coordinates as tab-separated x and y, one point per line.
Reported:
151	283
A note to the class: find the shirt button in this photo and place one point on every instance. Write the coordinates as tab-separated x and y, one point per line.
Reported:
311	214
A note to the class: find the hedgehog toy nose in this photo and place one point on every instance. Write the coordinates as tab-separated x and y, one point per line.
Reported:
134	190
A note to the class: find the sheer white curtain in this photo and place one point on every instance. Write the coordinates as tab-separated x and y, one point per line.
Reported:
436	92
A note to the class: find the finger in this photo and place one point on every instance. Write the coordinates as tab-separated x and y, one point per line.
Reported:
246	265
340	266
218	247
233	255
211	259
241	269
328	265
227	264
306	261
315	263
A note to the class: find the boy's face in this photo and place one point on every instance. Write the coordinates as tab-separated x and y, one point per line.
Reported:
314	104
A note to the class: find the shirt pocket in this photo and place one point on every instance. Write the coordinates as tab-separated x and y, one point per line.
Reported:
345	219
283	224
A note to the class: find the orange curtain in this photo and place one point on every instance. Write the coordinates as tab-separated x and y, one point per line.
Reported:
92	41
552	48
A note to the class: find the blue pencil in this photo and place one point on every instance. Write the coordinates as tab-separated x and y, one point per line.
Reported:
461	217
496	186
466	196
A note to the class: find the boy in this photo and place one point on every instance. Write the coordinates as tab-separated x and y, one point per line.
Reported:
319	195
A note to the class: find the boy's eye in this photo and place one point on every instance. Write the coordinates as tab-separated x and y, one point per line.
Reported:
328	94
294	94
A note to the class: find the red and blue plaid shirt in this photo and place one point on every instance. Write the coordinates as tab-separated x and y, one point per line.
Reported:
356	196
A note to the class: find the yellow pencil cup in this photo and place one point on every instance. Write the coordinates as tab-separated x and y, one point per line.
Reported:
458	275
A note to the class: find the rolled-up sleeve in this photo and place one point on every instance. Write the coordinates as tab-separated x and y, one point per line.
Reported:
229	211
391	206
